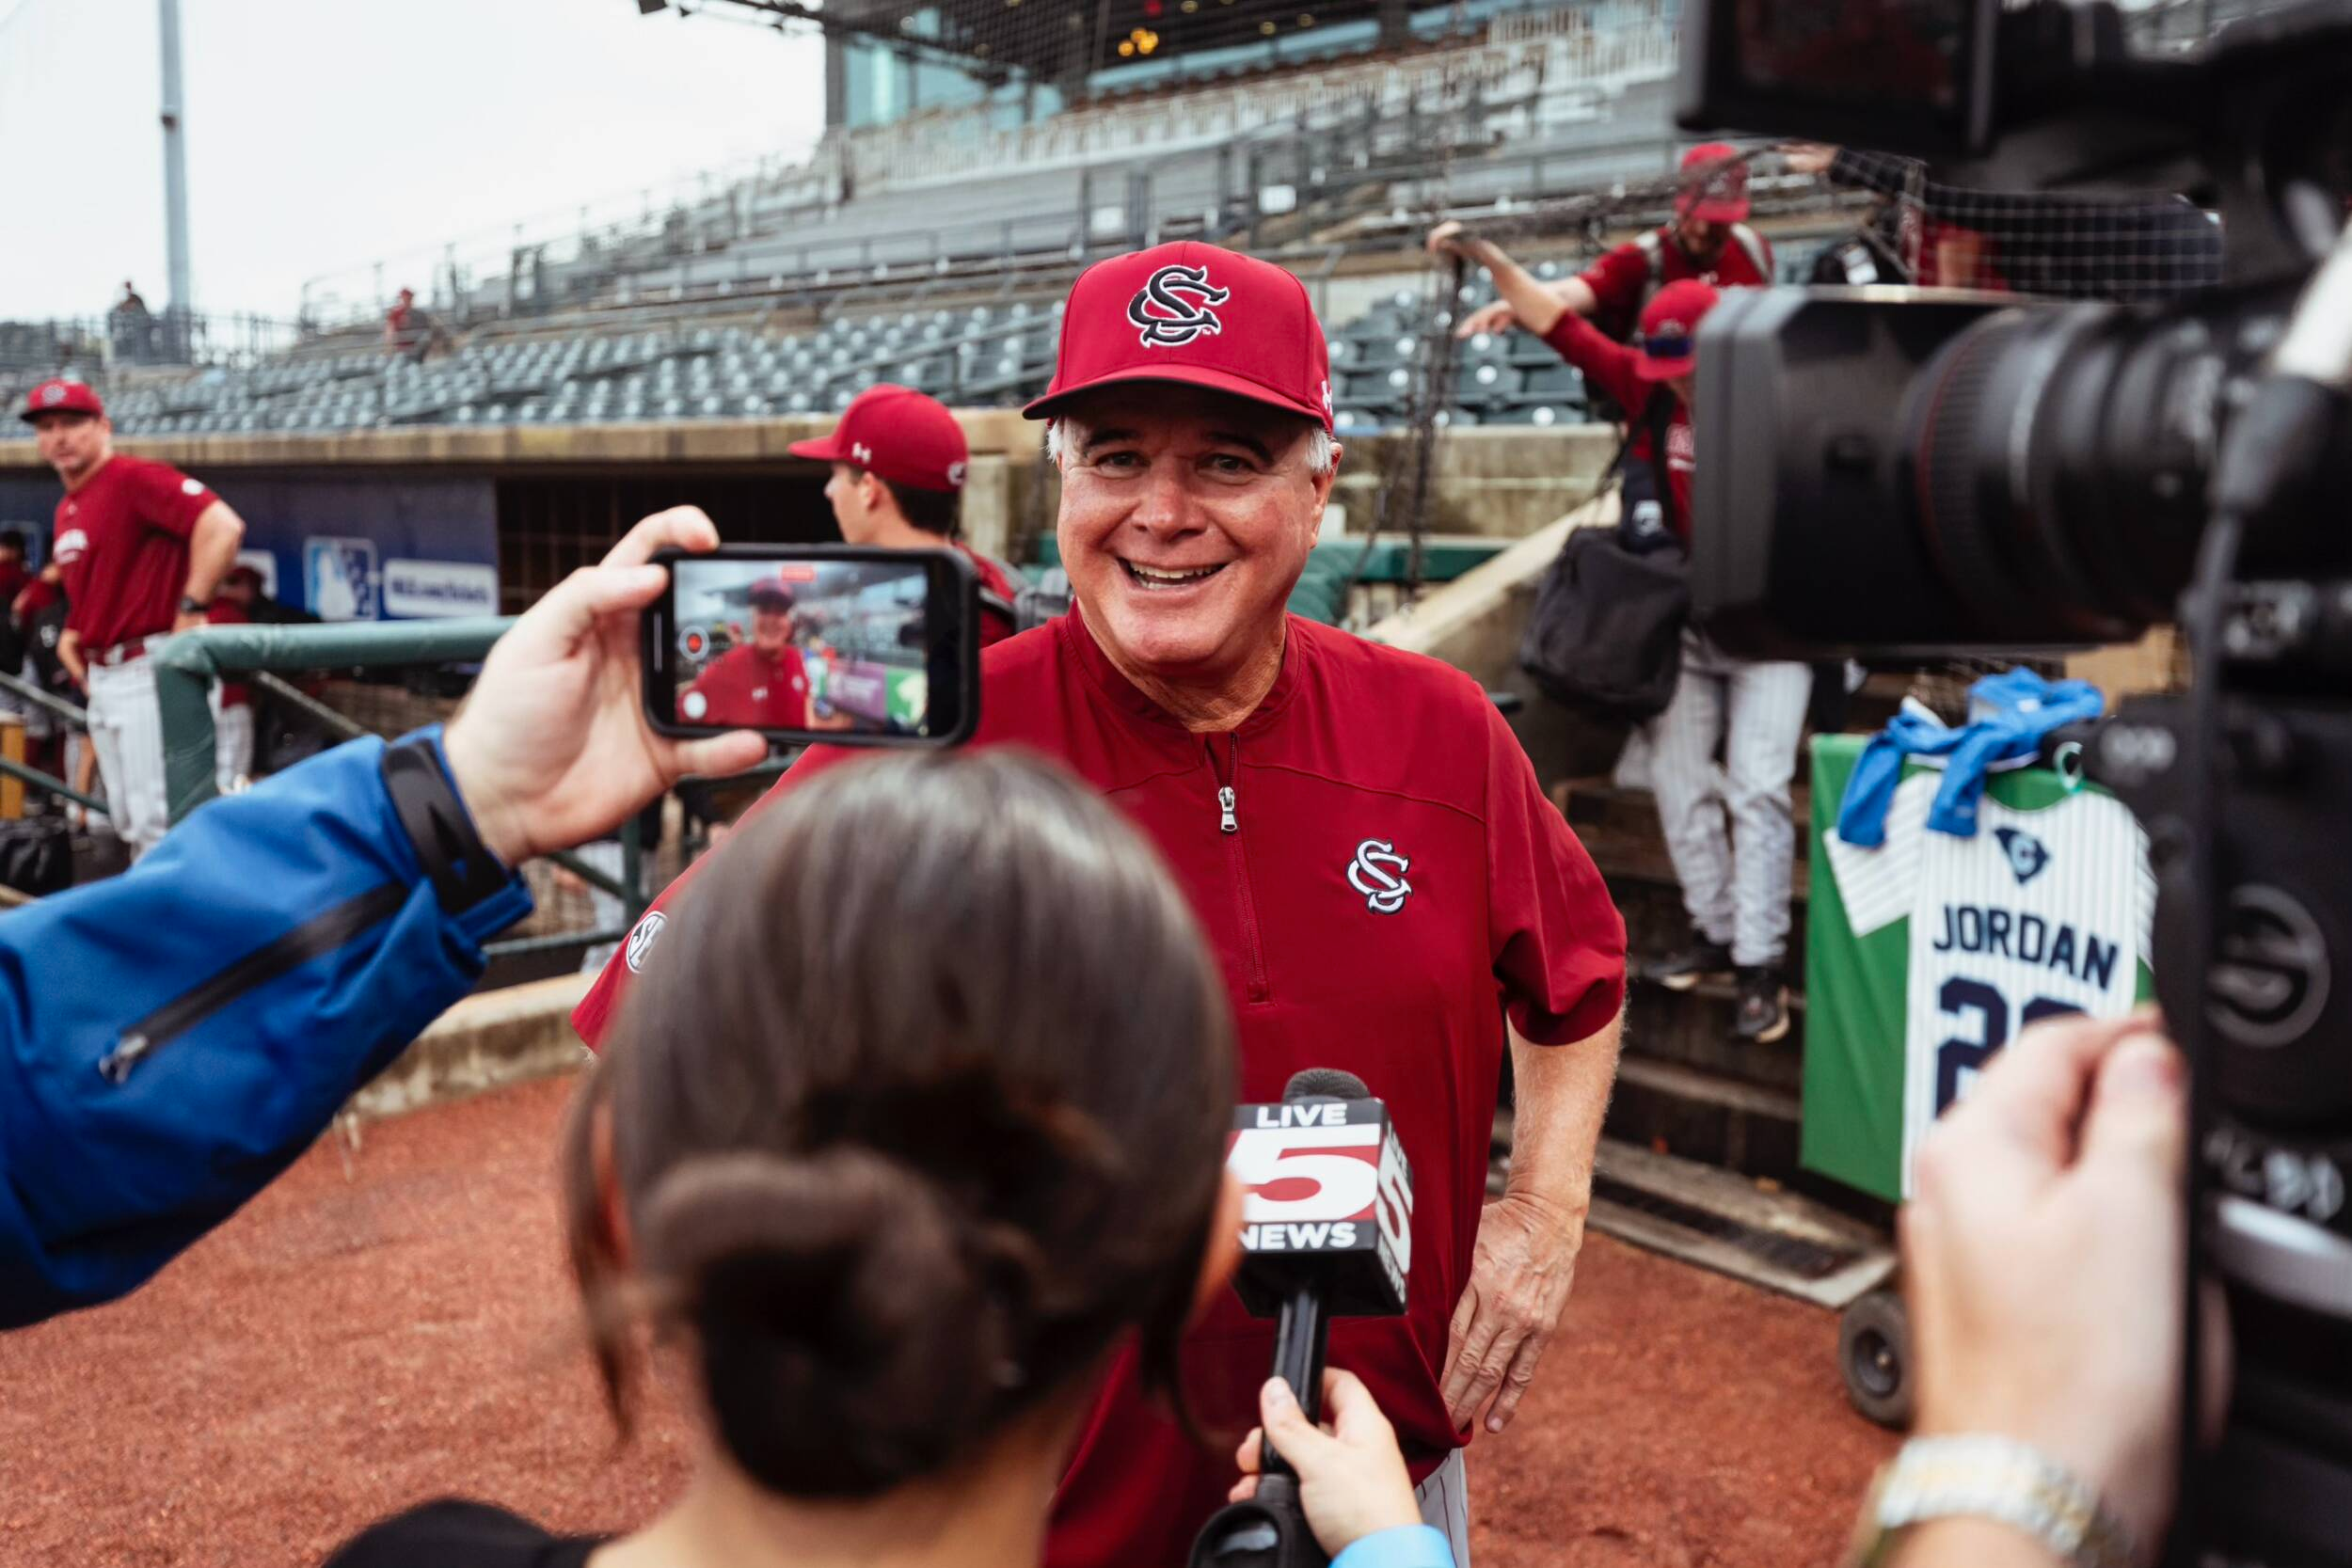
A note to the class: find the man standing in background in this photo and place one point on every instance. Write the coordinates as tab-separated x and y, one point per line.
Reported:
233	701
898	464
143	547
1709	239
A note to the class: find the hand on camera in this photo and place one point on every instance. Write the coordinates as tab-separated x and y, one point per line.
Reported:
2042	1255
552	747
1352	1481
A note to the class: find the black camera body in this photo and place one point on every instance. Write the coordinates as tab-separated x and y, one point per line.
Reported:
1900	469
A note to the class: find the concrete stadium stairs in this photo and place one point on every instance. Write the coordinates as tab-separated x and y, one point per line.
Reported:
1691	1099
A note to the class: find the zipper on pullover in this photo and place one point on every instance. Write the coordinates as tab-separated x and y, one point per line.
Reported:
1225	762
320	933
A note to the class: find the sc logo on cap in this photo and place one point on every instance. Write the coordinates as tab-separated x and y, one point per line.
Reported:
1169	318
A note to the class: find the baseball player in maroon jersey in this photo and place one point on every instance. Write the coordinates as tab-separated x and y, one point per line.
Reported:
761	683
1361	837
1734	888
899	464
1709	239
144	547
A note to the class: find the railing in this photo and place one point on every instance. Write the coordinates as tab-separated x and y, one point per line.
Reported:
497	272
64	712
187	665
116	342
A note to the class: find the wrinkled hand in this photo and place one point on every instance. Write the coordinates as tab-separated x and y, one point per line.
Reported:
1521	1275
552	747
2042	1252
1807	157
1352	1481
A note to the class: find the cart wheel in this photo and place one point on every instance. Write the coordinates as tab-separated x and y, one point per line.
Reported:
1874	1353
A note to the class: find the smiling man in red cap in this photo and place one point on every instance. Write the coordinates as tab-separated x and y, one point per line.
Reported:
899	464
1735	888
143	546
1362	839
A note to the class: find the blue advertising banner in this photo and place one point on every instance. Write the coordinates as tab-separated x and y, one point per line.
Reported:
344	546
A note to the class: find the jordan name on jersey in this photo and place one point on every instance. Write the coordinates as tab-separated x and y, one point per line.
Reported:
2037	914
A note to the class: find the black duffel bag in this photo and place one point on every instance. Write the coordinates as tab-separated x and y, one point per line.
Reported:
1606	635
36	856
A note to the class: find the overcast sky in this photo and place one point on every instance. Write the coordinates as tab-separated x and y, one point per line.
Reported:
325	134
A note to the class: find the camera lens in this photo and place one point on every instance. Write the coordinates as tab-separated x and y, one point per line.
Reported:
2058	462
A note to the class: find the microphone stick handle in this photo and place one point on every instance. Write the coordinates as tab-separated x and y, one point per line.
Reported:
1302	1332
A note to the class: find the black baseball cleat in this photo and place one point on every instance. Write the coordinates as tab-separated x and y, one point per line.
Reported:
1763	1006
1701	960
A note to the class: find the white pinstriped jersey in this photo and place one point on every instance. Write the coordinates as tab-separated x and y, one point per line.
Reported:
2040	913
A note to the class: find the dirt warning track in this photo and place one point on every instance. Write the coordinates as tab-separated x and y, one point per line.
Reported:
396	1325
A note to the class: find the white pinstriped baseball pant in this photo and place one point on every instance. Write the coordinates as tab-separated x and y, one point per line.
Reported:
128	733
1735	886
1444	1499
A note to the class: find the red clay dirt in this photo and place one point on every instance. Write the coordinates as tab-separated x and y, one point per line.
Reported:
397	1324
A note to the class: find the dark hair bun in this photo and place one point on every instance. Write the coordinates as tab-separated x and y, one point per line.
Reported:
837	1288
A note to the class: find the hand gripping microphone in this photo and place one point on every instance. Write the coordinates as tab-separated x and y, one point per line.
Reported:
1326	1231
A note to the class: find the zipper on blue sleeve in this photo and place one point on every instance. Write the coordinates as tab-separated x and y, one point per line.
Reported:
322	933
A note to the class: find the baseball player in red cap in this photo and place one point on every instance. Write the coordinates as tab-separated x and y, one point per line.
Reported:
1361	837
143	546
1709	239
1735	888
899	464
761	683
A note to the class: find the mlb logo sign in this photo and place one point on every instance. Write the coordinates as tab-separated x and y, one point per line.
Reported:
340	579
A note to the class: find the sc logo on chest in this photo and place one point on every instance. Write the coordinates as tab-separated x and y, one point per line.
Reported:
1377	872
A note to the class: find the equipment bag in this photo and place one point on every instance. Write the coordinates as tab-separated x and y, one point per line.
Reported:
1606	635
36	856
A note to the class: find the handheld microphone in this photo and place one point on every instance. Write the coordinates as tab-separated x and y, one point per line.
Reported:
1326	1231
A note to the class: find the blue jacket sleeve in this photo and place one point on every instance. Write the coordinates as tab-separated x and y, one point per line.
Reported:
1405	1546
172	1038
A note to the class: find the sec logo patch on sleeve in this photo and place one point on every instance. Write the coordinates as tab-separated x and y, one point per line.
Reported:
641	938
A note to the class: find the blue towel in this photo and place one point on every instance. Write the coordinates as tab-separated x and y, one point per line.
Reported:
2011	714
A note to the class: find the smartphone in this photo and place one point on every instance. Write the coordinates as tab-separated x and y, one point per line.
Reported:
805	644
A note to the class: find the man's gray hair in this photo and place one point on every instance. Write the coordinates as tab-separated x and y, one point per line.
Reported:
1323	453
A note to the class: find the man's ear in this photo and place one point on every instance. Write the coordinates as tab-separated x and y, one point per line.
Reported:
1325	482
1223	1255
872	494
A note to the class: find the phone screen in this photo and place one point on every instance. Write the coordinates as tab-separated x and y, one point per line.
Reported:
815	644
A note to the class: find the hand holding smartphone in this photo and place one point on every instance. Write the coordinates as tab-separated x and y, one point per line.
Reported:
804	643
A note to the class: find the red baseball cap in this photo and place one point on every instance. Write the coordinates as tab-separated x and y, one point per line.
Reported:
1670	326
898	434
60	396
1717	194
1196	314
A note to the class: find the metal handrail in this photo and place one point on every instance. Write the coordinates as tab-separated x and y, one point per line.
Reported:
187	664
55	704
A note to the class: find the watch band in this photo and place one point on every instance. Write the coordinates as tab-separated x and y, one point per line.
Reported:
191	605
463	869
1988	1478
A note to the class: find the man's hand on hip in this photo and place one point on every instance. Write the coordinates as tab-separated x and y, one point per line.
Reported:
1521	1275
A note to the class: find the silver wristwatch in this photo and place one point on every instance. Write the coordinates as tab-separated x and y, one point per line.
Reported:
1988	1478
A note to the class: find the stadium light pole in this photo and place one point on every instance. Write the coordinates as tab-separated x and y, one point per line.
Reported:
175	181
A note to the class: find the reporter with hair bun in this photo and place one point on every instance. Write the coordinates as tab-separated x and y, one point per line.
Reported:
885	1210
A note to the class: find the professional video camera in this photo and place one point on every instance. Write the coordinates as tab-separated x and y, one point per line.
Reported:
1891	468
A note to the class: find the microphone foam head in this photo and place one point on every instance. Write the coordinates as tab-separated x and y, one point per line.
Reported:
1314	1082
